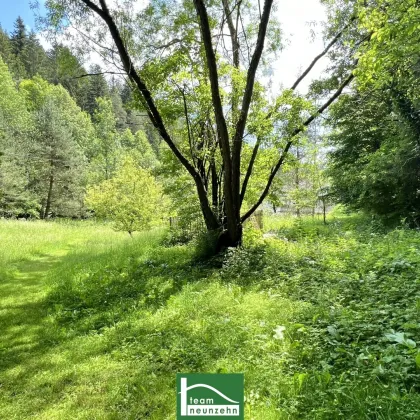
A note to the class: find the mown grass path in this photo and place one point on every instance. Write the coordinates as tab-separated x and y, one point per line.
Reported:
22	308
38	357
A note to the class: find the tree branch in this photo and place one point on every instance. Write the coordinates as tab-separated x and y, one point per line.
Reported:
214	79
98	74
250	167
275	169
222	129
246	101
322	54
151	108
233	33
293	87
167	45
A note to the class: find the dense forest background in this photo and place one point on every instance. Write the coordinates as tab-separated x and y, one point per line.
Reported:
63	128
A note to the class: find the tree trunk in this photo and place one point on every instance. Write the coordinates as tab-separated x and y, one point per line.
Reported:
225	240
49	197
42	210
297	179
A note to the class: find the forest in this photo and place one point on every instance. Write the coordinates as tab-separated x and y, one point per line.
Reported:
169	206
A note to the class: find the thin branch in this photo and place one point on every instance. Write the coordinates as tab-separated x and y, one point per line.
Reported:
322	54
248	48
167	45
294	86
98	74
89	38
299	130
233	33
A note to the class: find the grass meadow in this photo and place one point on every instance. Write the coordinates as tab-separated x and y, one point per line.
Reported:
95	324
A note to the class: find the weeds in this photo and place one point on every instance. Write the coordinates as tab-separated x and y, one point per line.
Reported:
323	321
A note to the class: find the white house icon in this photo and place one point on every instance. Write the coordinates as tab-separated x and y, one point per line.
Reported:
184	401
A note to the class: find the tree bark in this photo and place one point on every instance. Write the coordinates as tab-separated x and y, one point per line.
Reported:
49	196
232	214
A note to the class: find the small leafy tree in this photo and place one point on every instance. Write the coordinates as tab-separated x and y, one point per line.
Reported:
132	199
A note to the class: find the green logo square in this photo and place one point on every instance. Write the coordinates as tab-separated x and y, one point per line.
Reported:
210	395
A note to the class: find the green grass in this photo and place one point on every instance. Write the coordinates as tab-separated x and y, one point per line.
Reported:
95	325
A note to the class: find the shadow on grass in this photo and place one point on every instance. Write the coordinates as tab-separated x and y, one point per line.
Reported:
54	309
105	288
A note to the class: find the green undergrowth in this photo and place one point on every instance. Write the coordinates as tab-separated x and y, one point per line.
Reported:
322	320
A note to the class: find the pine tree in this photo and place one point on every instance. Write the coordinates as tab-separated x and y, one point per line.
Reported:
5	47
6	53
59	161
19	36
97	87
34	57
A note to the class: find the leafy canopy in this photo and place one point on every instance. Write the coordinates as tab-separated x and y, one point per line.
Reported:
132	199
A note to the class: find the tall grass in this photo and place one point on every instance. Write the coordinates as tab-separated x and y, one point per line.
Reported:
95	325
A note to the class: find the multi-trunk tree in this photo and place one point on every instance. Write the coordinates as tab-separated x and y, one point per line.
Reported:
196	69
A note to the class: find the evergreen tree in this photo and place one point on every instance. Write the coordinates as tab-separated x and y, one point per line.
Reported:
19	37
97	87
56	156
34	57
14	63
58	162
5	48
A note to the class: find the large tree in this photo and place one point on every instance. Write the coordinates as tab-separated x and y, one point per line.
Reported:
56	150
195	69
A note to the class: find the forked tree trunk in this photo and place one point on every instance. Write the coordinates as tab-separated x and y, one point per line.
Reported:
230	222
